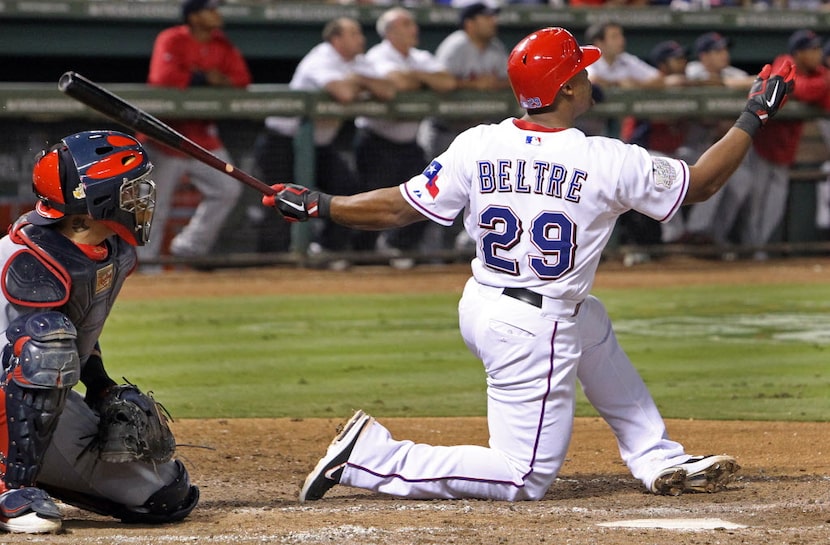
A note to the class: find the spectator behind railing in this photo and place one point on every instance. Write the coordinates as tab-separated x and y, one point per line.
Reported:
775	148
670	137
478	60
386	150
339	67
823	188
712	220
194	54
619	68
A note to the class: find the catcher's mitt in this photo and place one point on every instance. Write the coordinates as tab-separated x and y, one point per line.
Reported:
133	427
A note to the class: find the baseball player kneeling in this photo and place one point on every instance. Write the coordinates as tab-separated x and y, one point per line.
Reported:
540	198
109	451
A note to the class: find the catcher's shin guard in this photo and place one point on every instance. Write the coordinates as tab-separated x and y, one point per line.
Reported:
40	366
171	503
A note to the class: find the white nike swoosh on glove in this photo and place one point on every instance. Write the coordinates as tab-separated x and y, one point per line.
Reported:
298	207
771	101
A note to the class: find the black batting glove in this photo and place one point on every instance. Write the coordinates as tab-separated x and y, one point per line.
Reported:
298	203
768	94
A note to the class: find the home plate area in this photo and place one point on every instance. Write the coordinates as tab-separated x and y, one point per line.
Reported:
675	524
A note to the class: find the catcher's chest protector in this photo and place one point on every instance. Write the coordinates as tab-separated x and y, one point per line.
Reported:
81	288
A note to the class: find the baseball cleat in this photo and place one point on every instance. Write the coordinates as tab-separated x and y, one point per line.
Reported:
329	469
28	511
697	474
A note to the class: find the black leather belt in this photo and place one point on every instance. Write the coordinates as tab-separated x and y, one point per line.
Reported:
524	295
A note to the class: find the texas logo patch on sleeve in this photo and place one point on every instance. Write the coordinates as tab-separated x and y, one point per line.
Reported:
431	173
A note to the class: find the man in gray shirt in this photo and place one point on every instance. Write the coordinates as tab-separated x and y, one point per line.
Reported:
478	60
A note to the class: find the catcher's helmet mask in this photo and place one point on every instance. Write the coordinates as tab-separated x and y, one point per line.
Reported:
104	174
543	62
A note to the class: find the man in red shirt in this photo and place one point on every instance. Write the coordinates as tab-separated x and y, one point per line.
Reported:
194	54
775	148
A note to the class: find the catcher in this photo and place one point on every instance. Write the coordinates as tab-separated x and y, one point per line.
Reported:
109	451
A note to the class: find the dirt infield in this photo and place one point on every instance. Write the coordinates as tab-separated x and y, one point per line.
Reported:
251	470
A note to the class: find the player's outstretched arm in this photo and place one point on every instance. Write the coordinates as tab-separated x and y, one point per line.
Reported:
373	210
768	94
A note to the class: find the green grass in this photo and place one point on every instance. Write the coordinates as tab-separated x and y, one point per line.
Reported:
736	352
297	355
708	352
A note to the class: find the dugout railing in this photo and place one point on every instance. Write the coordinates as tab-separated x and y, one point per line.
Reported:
33	116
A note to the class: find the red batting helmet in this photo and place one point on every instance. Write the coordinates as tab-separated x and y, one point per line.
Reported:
100	173
543	62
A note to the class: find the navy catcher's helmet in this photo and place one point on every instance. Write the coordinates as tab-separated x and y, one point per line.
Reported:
100	173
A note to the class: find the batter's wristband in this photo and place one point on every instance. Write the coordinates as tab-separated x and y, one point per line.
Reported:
749	123
323	205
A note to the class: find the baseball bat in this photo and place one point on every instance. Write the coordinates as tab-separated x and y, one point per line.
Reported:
130	116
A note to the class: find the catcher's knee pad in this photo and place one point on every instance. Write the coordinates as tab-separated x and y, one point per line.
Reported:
41	352
40	367
170	503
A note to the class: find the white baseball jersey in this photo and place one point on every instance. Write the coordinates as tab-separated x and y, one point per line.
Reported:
540	203
321	66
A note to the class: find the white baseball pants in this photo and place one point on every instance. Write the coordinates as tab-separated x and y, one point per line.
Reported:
533	358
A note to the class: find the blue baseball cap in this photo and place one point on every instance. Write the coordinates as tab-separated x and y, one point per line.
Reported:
711	41
663	51
803	39
475	9
193	6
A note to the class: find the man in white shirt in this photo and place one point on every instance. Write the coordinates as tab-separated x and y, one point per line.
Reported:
713	66
386	149
617	67
337	66
542	199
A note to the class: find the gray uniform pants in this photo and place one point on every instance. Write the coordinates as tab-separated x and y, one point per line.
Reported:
64	465
219	195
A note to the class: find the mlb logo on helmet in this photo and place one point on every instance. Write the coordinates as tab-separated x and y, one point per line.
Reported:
531	103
